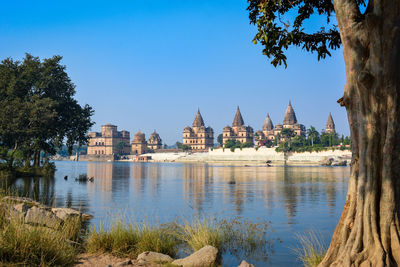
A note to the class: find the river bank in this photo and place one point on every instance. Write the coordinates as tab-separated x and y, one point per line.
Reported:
244	156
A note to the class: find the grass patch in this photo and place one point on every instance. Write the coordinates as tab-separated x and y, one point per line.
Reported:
240	238
26	245
132	239
312	249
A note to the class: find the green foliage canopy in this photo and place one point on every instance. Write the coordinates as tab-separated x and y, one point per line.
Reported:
39	112
280	25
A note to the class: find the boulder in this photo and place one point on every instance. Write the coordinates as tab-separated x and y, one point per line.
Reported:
207	256
42	216
65	213
150	256
245	264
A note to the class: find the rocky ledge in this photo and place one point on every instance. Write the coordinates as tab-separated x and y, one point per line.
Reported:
205	257
34	213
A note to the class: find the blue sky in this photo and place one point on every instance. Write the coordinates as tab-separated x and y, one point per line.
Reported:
146	65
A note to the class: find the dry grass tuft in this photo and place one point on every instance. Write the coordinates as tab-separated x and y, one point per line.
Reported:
312	249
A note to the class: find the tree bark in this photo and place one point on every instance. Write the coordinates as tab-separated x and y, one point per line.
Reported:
368	232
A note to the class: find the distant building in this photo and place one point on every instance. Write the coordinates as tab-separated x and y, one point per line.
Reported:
107	141
198	137
290	121
238	131
139	144
330	125
154	141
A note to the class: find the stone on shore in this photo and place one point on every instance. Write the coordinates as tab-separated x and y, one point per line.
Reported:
150	256
42	216
35	213
207	256
245	264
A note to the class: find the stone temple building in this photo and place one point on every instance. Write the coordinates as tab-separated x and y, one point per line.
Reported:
105	142
154	141
139	144
290	121
267	131
238	131
330	125
198	137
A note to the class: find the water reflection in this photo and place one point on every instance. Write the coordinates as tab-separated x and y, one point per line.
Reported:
292	198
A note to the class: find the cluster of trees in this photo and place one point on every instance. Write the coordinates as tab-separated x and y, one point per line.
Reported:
39	113
233	144
313	141
179	145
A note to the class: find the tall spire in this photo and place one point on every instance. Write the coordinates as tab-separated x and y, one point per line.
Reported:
330	125
268	125
238	120
290	116
198	120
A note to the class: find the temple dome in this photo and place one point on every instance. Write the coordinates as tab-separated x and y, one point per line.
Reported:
198	120
268	125
290	116
238	120
139	137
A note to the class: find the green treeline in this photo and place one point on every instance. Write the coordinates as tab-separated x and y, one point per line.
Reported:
39	114
313	141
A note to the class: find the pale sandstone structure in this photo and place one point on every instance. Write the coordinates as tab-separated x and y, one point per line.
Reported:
198	137
290	121
238	131
154	141
139	144
330	125
105	142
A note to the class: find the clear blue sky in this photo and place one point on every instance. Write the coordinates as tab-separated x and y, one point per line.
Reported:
146	65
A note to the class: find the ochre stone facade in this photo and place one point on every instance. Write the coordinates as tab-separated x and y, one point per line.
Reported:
198	137
154	141
238	131
290	121
139	144
105	142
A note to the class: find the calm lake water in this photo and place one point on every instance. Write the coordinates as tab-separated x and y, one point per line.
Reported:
292	199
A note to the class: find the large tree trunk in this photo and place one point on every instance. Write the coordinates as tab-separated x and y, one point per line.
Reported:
368	232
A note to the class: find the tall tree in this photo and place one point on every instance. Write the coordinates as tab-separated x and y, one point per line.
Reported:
368	232
312	134
40	113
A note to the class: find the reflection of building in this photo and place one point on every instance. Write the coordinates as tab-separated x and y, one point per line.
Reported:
330	125
139	144
109	141
289	122
238	131
154	141
199	136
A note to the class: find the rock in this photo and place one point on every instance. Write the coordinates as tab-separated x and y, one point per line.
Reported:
65	213
245	264
21	208
123	263
28	201
207	256
86	217
42	216
150	256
